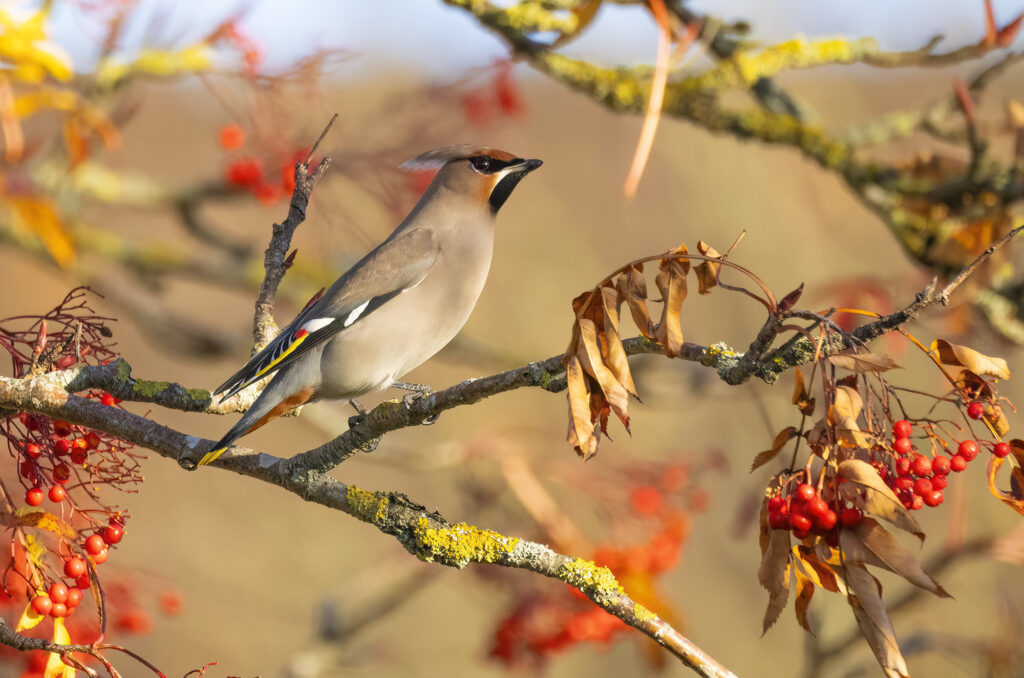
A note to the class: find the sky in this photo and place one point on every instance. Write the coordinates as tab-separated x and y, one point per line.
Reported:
437	41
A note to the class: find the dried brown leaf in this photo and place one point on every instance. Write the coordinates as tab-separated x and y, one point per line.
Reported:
952	354
774	575
706	271
820	572
871	544
844	413
632	288
804	592
671	282
801	396
589	353
611	346
781	439
582	432
789	301
879	499
1015	497
866	600
863	362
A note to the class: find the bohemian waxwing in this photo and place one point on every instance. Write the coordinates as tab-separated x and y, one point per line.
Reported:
399	305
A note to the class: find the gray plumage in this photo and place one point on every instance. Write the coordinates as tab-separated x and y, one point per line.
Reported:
399	305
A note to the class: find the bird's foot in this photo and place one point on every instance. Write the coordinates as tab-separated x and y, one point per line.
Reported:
360	416
419	391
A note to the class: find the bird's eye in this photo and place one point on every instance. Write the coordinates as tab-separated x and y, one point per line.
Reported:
481	163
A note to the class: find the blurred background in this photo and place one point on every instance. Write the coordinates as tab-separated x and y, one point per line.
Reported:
159	181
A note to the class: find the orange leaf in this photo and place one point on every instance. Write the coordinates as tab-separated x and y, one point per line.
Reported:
582	433
952	354
39	216
589	353
1014	498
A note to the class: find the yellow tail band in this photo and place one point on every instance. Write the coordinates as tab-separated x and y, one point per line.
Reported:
211	456
300	336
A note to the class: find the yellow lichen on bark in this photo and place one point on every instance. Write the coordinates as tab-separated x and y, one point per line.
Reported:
461	544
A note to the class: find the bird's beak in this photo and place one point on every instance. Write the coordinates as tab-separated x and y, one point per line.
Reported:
526	166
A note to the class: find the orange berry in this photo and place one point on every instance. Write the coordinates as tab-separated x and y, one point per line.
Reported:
231	136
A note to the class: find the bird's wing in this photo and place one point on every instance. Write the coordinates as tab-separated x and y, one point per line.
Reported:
398	264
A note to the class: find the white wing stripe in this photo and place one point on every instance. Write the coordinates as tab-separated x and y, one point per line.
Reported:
316	323
354	315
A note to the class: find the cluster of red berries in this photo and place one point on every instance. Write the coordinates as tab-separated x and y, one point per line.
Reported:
248	172
61	600
501	97
806	512
61	442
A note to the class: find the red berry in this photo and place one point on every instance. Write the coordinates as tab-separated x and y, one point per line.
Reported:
83	582
805	492
975	410
29	421
800	523
34	497
826	521
851	516
107	399
93	441
32	451
922	466
957	463
778	520
903	466
268	194
113	534
922	486
776	503
61	428
903	484
933	498
916	503
74	596
74	567
101	557
1001	450
231	136
94	544
27	468
59	610
57	494
939	482
58	592
61	447
172	602
902	446
61	473
902	429
817	507
968	450
78	455
941	465
42	605
647	500
245	172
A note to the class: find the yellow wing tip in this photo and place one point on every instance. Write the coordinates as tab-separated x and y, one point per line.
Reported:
211	456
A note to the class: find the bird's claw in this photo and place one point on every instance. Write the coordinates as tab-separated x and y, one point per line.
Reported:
409	398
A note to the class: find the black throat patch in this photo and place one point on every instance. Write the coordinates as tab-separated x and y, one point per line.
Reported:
503	189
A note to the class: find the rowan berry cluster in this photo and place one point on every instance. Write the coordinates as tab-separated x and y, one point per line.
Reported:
268	180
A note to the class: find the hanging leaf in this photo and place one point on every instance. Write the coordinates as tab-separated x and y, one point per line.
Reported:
878	498
611	348
1015	497
866	600
844	413
871	544
582	434
632	288
706	271
39	216
774	575
671	282
804	592
55	666
801	396
860	363
821	573
592	362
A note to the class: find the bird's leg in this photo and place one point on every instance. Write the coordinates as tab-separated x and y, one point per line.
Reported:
418	391
360	414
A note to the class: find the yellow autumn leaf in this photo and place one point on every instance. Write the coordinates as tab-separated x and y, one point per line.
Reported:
26	47
55	667
29	619
156	62
39	216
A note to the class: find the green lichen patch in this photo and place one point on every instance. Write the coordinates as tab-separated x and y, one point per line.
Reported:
596	581
371	507
460	544
150	388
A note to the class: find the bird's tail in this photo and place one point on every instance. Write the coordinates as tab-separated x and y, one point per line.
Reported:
237	431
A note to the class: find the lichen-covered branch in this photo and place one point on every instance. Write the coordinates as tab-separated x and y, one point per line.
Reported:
427	535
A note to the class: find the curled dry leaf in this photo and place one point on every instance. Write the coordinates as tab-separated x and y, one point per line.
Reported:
866	600
871	544
632	288
671	282
707	272
781	439
879	499
1014	498
804	592
582	428
819	571
801	396
951	354
774	574
843	415
863	362
789	301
